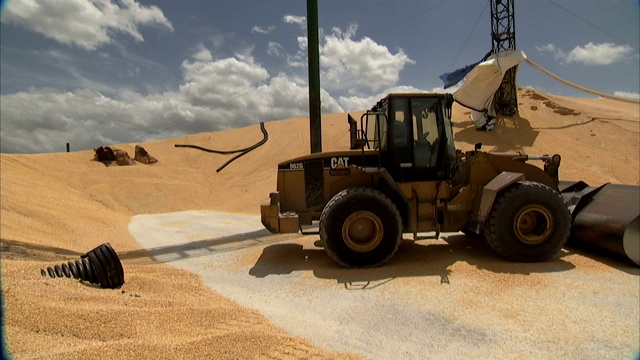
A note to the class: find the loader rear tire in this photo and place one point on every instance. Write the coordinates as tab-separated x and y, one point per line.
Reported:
360	227
529	222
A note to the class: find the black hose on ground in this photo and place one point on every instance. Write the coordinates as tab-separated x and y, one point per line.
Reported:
240	151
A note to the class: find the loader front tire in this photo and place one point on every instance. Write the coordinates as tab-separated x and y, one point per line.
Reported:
360	227
529	222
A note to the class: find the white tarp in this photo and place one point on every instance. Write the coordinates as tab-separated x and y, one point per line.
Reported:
483	81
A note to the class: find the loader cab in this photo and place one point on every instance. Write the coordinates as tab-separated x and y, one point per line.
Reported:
413	134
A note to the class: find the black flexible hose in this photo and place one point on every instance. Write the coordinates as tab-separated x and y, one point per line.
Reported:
240	151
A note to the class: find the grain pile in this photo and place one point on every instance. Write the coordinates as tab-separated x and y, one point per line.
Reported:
55	207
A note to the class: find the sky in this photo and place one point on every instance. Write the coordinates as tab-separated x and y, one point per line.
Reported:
103	72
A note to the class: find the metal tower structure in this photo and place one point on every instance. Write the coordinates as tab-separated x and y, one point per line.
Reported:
503	36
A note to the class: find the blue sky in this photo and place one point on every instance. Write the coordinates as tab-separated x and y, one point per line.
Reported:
103	72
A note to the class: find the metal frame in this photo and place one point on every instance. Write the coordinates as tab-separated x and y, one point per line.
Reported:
503	37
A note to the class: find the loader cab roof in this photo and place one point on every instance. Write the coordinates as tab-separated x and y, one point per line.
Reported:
439	95
386	99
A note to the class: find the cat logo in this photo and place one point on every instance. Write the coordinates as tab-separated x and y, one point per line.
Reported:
340	166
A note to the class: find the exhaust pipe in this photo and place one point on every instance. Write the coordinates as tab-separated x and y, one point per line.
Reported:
606	217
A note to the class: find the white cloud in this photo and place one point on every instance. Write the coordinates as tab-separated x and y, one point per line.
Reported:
260	30
215	94
85	23
599	54
590	54
274	49
549	48
354	103
203	54
245	91
217	40
220	81
350	65
299	59
627	94
43	120
355	66
294	19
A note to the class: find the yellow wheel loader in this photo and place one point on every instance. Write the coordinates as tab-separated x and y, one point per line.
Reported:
403	175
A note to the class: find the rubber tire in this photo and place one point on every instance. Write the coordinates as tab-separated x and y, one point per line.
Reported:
351	201
499	228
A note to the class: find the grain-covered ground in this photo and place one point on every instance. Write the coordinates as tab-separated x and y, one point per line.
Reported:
55	207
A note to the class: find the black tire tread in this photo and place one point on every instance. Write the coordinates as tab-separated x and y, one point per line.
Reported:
354	194
492	229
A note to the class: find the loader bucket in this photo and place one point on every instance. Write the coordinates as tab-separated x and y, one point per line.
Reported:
605	218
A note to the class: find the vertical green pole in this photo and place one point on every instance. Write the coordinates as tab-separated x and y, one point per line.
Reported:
314	76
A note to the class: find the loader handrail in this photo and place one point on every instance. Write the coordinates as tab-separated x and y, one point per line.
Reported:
364	126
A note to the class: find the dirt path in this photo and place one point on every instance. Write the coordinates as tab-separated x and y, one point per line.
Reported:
450	298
